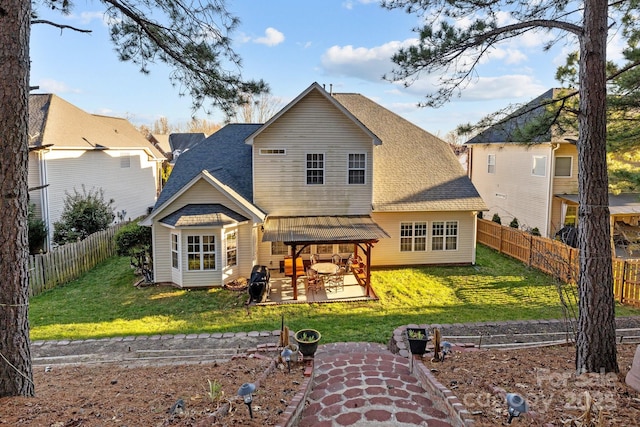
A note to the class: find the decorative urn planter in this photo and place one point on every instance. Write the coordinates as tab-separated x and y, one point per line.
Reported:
307	340
418	339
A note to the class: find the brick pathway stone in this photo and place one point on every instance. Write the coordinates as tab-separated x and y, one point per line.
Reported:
364	384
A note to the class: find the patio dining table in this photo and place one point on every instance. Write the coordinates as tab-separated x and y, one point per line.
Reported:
324	267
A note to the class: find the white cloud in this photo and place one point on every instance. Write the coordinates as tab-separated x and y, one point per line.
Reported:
508	56
272	37
54	86
503	87
361	62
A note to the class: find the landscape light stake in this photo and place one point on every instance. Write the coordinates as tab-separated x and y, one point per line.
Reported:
286	356
245	392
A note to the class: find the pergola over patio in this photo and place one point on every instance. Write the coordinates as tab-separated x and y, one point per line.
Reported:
302	231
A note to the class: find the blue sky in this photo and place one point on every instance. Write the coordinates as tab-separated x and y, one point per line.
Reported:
290	44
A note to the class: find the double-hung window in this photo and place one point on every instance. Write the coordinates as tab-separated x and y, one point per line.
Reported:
491	163
357	168
413	236
174	251
539	167
201	252
231	238
315	168
444	235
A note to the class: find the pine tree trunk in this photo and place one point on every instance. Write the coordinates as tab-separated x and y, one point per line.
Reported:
596	340
16	378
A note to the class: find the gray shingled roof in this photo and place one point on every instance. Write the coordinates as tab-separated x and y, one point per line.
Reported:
223	154
507	130
200	215
356	228
413	170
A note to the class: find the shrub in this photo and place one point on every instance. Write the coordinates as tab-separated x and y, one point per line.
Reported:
132	237
83	214
514	223
535	231
37	231
496	218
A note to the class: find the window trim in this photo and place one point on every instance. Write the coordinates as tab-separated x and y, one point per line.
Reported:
555	172
233	232
307	169
445	234
534	163
175	239
491	161
201	253
355	169
414	237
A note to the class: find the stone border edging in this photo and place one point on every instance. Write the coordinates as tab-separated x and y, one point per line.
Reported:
291	415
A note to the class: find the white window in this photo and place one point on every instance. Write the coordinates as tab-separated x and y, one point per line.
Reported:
539	167
357	168
324	249
201	252
231	238
491	163
175	252
315	168
444	236
413	236
279	248
345	248
273	152
564	166
125	160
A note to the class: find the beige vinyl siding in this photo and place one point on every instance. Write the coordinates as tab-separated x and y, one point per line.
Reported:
512	191
133	189
202	192
313	125
568	185
387	251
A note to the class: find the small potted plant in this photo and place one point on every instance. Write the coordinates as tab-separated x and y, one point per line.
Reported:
418	339
307	340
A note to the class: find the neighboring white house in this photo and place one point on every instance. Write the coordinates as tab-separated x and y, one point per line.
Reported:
70	148
329	173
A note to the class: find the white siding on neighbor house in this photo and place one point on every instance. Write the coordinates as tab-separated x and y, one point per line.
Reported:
513	191
387	251
201	192
133	189
313	125
34	180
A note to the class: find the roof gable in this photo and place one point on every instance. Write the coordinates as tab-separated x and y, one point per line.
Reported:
315	87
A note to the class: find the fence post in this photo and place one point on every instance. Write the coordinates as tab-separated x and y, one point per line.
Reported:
624	279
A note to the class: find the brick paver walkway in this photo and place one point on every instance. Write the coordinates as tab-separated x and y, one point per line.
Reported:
363	384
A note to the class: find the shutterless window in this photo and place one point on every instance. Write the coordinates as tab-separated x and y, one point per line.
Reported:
201	252
174	251
324	249
273	152
491	163
539	167
315	168
357	167
444	236
413	236
563	167
232	248
279	248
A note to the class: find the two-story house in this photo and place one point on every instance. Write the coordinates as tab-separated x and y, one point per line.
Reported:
71	149
526	179
329	173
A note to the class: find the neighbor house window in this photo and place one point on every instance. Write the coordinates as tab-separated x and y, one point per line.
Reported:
444	236
413	236
491	163
357	165
570	215
232	248
315	168
539	167
279	248
125	160
174	251
563	167
201	252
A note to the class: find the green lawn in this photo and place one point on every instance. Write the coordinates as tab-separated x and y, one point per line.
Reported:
105	303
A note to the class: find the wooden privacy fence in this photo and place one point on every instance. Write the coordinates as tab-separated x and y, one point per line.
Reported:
556	258
70	261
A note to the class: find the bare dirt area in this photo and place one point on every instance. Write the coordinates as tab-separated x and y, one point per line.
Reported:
546	378
171	395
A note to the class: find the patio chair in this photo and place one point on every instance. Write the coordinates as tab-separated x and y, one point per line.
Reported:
315	282
314	258
336	259
335	282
